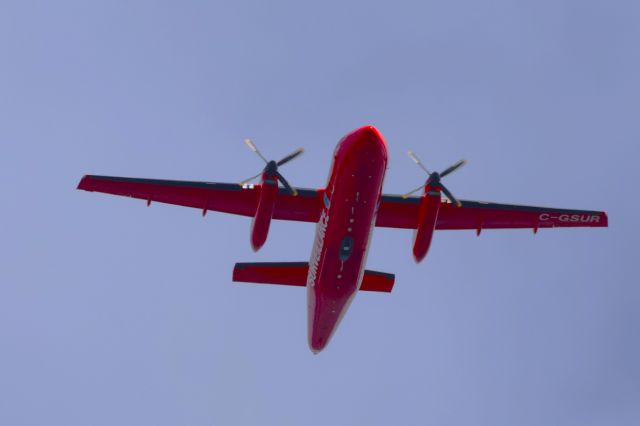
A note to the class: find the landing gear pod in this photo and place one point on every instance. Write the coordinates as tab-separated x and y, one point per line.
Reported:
430	205
264	212
268	194
428	216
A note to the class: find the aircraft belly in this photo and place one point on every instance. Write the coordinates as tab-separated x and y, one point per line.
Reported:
339	255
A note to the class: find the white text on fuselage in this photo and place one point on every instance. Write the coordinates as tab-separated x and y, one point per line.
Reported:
317	247
572	218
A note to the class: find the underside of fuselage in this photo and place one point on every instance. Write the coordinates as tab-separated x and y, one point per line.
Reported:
343	232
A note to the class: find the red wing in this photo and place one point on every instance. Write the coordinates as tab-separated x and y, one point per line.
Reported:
396	212
222	197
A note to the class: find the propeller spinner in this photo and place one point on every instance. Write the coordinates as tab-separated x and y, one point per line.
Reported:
271	168
434	178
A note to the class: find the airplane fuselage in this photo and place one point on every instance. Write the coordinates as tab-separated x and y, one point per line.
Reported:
344	230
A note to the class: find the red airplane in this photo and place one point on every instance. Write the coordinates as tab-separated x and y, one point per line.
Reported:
345	212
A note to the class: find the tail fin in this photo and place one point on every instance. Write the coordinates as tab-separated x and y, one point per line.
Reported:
295	273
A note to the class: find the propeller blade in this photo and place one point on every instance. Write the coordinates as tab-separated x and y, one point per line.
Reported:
453	168
411	192
450	196
254	148
418	162
286	184
250	179
290	157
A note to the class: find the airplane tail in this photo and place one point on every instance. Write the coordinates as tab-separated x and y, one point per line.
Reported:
295	274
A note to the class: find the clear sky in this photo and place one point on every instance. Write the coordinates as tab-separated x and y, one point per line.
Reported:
112	313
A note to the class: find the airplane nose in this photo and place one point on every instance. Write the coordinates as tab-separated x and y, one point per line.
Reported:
370	137
369	133
363	142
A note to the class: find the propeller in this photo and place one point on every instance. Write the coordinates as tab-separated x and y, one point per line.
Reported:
271	167
434	178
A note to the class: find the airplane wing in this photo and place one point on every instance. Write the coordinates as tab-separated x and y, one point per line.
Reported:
222	197
397	212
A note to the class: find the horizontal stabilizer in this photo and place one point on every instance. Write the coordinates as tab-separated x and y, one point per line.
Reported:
295	273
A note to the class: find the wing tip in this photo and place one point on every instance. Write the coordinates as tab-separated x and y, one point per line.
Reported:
605	222
84	183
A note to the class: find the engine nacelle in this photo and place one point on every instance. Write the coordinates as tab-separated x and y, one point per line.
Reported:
427	218
264	211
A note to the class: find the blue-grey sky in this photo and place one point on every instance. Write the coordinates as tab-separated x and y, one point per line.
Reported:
112	313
